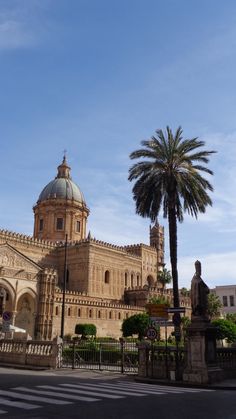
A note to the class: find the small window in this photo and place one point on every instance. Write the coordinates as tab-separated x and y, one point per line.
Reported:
110	315
126	279
231	300
99	314
132	280
69	311
225	301
57	311
59	223
90	313
107	277
138	280
79	312
67	276
78	226
41	224
119	316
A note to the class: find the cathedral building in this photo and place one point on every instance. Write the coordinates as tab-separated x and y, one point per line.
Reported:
62	268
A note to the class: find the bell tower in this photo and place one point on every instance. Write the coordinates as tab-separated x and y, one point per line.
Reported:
157	241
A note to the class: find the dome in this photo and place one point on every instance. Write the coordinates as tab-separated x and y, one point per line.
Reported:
62	187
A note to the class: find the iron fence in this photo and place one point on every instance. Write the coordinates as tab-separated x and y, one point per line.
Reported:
117	356
165	362
226	358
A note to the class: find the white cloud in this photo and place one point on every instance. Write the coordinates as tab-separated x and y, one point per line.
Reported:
21	23
14	34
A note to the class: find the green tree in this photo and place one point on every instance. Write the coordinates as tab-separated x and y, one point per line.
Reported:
226	329
170	178
214	305
136	324
85	330
164	277
185	322
160	299
231	317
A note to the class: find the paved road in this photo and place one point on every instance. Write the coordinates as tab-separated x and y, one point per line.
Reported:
81	395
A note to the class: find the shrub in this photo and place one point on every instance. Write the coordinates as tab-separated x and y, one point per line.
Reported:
226	329
85	330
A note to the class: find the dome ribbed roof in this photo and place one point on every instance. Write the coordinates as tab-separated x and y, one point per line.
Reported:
62	187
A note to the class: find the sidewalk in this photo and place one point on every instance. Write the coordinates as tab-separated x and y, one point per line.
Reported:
228	384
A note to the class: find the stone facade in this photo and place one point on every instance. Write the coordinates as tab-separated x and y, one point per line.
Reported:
103	283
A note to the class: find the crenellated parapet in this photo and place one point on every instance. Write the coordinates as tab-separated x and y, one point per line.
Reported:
93	241
76	298
10	236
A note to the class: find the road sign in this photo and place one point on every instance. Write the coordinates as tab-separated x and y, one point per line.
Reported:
157	310
151	333
176	310
6	326
6	316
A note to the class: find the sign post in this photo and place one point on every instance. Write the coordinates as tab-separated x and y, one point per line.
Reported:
6	321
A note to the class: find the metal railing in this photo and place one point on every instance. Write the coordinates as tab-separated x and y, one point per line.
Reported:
118	356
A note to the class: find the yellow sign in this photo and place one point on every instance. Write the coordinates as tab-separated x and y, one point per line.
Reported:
157	310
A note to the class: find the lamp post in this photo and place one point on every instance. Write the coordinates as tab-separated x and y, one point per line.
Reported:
64	292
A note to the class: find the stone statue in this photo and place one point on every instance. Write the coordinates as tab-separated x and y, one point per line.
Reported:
199	294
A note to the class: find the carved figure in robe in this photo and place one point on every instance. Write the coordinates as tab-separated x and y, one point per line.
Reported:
199	294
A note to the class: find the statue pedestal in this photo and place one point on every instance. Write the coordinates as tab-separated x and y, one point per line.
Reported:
201	353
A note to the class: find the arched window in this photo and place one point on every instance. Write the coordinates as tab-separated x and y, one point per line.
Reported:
138	280
77	226
79	312
107	277
90	313
132	280
119	316
126	279
57	311
67	276
99	314
150	281
41	224
59	223
110	315
69	311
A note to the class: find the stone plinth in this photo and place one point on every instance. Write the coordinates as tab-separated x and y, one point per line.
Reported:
201	354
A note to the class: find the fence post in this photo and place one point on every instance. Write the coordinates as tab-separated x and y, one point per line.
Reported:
57	348
122	354
100	356
73	359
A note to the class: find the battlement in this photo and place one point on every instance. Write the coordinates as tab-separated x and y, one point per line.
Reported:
6	235
74	297
101	243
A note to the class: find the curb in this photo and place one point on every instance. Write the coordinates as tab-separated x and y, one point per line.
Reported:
182	384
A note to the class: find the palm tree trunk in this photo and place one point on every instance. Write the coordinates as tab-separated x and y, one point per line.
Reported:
173	253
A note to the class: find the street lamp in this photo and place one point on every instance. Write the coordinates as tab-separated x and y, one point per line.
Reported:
64	291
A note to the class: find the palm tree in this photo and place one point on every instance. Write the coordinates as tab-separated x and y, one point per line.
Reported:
164	277
170	177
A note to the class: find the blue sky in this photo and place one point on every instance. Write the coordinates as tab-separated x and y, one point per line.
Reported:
96	77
